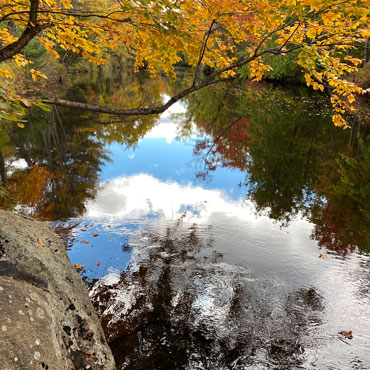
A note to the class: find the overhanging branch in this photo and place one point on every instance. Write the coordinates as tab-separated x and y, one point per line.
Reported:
137	111
28	34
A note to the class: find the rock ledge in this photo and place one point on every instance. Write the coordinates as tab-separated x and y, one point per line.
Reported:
46	318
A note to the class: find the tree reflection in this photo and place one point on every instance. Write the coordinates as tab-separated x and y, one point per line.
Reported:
284	142
282	138
26	188
67	161
211	315
342	221
64	149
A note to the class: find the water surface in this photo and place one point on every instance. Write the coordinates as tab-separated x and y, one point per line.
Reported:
232	232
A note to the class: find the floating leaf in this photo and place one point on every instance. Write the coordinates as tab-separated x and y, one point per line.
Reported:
85	241
323	255
183	268
95	234
347	334
83	229
97	264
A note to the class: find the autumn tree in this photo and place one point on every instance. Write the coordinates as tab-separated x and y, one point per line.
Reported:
232	37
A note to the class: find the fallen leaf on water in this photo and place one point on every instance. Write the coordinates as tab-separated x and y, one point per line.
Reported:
97	264
91	246
85	241
78	266
323	255
39	240
95	234
83	229
110	239
347	334
183	268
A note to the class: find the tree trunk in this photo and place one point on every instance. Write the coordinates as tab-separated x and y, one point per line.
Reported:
2	169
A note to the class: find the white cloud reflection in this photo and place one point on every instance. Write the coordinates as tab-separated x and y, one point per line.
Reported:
167	127
163	130
136	196
144	200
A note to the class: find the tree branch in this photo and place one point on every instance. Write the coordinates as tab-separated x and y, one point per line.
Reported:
137	111
202	51
28	34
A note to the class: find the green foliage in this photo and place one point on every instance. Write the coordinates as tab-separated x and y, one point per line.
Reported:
36	53
12	108
284	68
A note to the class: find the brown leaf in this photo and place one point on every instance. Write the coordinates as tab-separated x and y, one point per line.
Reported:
39	240
91	246
95	234
183	268
323	255
347	334
110	239
97	264
83	229
78	266
85	241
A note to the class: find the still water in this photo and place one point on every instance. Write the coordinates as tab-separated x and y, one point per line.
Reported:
231	232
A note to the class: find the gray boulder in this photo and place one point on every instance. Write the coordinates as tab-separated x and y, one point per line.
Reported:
46	318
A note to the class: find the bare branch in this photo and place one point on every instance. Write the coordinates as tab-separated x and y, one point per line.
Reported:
137	111
202	51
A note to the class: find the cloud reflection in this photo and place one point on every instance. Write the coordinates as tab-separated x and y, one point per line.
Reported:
135	196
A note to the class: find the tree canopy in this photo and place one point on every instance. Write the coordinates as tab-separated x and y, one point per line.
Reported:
232	37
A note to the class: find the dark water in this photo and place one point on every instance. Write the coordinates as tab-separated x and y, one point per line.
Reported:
230	233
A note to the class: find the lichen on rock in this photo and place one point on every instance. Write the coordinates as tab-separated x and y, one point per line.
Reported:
47	320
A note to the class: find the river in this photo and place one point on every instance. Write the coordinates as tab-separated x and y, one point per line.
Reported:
231	232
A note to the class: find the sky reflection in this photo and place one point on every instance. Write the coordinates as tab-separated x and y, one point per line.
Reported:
146	191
